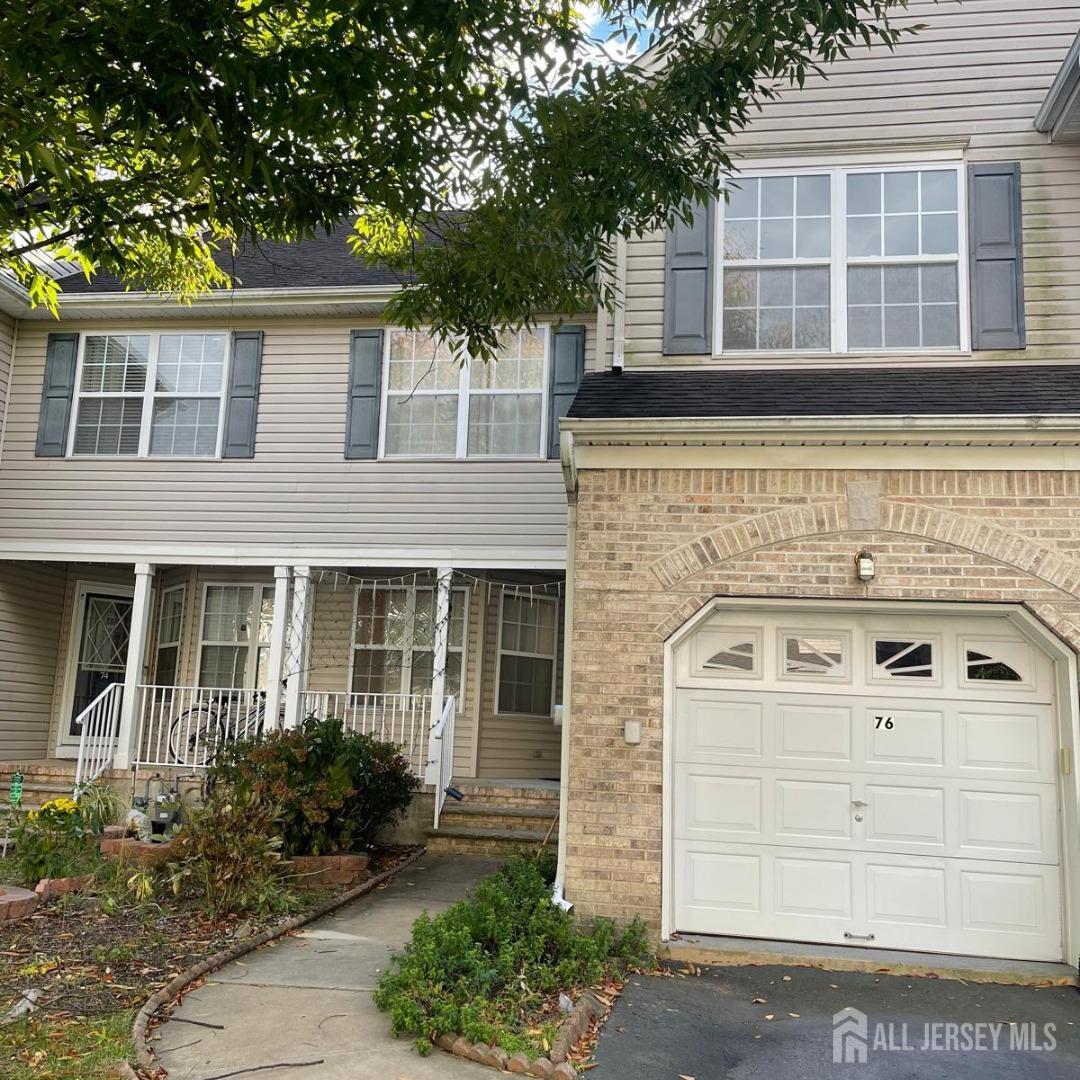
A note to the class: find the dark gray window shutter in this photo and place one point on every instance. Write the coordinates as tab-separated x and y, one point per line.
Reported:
688	285
365	394
242	405
61	354
567	369
996	249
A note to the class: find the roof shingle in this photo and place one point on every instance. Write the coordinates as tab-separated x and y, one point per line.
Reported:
911	391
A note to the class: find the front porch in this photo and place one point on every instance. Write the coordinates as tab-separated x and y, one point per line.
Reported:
141	667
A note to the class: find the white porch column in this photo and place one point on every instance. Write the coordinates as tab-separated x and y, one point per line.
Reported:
438	668
276	659
299	640
136	661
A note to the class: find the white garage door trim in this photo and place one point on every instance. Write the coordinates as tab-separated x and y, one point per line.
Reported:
1064	668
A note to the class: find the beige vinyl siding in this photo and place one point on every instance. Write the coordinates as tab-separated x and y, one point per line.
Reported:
975	76
31	611
515	747
7	346
298	492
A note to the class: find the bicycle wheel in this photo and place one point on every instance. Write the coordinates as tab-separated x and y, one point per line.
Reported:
195	735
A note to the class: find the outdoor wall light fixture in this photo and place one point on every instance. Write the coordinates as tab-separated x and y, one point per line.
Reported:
864	566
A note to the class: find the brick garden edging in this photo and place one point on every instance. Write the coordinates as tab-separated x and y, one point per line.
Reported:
553	1067
319	871
16	903
144	1056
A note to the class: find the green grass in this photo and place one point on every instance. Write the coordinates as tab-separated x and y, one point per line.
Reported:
65	1049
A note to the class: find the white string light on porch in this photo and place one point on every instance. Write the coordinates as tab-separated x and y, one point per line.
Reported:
337	580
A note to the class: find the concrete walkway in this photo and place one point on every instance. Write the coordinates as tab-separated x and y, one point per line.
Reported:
309	996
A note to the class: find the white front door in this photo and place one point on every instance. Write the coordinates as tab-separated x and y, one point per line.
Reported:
885	781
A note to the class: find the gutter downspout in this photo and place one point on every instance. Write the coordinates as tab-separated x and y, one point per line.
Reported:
566	453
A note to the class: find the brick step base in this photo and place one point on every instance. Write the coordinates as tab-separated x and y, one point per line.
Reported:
464	815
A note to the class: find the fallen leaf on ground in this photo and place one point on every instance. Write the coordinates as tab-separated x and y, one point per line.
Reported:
759	1001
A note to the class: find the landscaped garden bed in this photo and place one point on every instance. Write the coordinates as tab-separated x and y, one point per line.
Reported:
75	971
508	979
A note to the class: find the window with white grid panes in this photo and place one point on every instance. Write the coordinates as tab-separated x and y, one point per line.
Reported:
234	646
842	260
438	402
393	643
149	395
528	639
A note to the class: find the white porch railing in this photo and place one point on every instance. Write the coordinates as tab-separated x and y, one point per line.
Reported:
184	726
396	718
442	754
99	725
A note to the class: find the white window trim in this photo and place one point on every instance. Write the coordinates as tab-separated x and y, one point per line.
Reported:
837	262
177	644
251	671
149	395
461	451
462	593
499	651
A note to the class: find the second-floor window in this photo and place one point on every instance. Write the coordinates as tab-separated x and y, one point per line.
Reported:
439	404
149	395
842	260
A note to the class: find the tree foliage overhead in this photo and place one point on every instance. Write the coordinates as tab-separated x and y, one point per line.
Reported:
488	150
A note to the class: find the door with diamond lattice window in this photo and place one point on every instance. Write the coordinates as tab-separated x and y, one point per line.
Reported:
103	649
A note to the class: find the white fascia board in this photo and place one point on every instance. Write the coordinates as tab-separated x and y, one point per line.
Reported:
234	300
962	429
270	555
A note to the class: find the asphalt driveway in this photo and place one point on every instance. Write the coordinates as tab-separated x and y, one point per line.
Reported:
707	1026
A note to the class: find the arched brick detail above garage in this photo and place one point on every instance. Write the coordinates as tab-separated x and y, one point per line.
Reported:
980	536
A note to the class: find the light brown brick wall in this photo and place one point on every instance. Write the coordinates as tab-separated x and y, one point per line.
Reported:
653	545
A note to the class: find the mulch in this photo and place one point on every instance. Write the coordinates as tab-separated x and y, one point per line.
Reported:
85	962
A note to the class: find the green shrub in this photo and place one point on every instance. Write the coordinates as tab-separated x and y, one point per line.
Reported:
54	841
333	789
228	857
481	967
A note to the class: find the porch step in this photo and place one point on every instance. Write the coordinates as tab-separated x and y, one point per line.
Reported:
507	793
499	842
468	815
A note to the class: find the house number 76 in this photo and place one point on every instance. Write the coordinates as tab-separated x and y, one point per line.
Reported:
885	722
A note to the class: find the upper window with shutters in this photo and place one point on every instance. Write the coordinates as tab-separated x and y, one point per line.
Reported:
440	403
149	395
842	260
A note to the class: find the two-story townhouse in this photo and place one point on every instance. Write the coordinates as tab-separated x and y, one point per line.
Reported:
817	510
825	519
270	504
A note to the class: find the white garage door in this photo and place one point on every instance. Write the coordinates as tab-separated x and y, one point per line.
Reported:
887	781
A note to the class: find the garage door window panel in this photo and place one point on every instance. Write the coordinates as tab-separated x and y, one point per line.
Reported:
896	658
734	652
815	655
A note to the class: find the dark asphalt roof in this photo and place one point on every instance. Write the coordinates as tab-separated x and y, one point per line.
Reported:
960	390
322	262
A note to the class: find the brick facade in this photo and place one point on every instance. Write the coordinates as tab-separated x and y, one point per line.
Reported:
654	545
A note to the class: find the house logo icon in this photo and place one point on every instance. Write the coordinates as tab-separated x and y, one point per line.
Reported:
849	1037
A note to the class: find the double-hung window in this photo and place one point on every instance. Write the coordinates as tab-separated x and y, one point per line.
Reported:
149	395
169	633
528	638
441	403
842	260
234	645
393	641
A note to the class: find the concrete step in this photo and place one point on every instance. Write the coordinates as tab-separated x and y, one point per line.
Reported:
499	842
